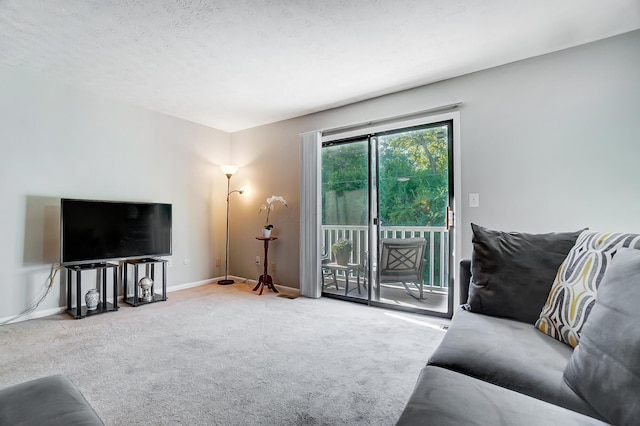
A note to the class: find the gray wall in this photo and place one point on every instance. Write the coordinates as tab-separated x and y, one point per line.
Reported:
550	144
58	142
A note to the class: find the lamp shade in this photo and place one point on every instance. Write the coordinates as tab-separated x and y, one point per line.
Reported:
229	169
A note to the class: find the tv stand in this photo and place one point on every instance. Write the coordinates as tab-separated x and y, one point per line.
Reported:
148	260
135	299
80	311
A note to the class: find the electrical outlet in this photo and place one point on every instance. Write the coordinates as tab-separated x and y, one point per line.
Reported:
273	267
257	260
217	261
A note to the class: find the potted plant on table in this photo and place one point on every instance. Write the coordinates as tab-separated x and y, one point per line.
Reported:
269	206
341	250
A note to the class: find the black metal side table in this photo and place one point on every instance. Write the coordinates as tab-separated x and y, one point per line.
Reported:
136	299
80	311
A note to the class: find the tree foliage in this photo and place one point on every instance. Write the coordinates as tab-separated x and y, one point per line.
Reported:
413	179
414	175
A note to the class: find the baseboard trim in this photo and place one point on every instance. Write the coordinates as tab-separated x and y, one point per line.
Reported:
283	288
295	291
36	314
190	285
55	311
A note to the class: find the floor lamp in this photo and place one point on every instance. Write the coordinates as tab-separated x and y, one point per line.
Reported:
229	171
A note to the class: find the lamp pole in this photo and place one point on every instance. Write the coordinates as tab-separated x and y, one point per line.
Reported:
228	171
226	280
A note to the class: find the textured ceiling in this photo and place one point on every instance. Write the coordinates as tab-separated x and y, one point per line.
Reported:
235	64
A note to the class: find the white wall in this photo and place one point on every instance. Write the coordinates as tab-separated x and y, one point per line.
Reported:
550	144
59	142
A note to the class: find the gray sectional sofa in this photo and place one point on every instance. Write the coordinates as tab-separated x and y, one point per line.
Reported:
496	367
48	401
495	371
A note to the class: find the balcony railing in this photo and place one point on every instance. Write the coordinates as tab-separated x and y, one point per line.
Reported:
437	254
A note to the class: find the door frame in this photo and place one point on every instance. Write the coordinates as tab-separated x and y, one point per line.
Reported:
454	235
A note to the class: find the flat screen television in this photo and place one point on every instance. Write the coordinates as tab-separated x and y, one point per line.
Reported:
93	231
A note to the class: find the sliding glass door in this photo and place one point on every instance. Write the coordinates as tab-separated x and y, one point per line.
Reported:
345	217
386	200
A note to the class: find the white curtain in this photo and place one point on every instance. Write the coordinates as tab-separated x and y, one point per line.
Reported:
310	199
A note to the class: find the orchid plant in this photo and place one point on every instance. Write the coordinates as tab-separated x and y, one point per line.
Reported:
269	206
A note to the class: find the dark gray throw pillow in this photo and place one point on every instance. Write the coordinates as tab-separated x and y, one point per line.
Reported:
512	272
605	366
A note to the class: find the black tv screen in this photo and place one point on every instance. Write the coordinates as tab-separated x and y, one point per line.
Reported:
97	231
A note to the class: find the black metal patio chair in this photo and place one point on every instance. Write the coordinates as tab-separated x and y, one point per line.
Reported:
402	261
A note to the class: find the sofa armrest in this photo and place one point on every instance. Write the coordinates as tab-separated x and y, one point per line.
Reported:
48	401
465	279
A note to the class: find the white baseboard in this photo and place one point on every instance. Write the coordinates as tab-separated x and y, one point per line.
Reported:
278	286
295	291
33	315
61	309
237	279
190	285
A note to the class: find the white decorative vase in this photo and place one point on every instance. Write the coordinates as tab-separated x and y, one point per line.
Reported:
145	285
92	298
266	233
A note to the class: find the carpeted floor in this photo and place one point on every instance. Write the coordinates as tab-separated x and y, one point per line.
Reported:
222	355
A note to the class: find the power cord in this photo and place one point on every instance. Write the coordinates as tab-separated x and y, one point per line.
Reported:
45	292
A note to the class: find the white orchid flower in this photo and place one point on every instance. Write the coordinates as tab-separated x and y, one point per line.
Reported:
270	206
274	198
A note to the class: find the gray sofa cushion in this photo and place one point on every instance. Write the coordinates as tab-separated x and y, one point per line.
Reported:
446	398
605	367
512	272
49	401
510	354
465	280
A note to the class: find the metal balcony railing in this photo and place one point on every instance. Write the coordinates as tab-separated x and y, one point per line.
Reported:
437	255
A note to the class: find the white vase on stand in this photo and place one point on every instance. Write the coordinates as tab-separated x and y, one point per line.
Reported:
92	298
266	233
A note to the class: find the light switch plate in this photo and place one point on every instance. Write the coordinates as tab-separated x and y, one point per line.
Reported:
474	200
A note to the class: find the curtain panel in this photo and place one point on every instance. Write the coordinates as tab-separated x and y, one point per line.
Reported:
310	181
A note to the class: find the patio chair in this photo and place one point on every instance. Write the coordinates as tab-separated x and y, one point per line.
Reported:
328	273
402	261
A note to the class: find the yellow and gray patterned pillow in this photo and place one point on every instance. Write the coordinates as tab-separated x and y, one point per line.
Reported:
574	289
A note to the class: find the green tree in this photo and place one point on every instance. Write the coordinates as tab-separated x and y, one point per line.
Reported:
413	181
345	173
414	176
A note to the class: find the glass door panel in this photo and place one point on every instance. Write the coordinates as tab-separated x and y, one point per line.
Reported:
345	215
382	195
414	193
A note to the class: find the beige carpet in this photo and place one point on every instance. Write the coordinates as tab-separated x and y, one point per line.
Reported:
222	355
